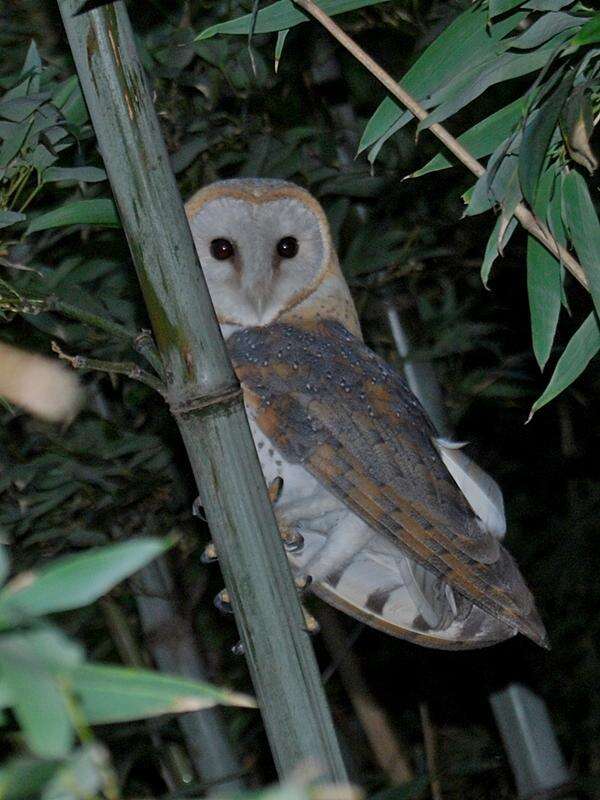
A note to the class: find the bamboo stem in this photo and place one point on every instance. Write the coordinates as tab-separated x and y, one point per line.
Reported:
202	390
528	220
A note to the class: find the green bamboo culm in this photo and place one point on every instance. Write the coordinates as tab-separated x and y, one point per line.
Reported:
202	390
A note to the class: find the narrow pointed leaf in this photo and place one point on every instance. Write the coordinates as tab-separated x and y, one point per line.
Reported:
544	281
582	222
118	694
537	136
466	41
83	212
589	33
494	247
85	174
483	138
280	15
582	347
77	580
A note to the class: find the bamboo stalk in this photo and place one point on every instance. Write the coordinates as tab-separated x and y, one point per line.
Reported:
170	638
535	226
203	393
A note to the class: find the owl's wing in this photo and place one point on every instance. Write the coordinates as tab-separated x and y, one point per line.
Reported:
328	402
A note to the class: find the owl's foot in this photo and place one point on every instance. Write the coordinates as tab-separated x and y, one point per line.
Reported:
197	509
275	489
222	601
209	554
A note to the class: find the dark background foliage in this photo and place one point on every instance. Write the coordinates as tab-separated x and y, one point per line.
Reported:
118	469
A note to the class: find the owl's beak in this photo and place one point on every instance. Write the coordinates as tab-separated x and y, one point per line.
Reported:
258	292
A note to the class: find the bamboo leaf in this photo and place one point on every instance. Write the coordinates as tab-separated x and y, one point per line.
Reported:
25	778
29	663
544	290
582	223
475	80
483	138
544	29
83	212
84	174
544	282
8	218
582	347
497	7
589	33
537	136
281	37
467	40
577	126
77	580
281	15
118	694
495	247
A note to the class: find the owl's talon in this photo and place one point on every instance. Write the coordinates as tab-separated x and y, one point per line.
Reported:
275	489
197	509
311	625
222	601
302	583
238	649
292	541
209	554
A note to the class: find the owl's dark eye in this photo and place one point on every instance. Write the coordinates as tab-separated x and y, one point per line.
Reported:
221	249
287	247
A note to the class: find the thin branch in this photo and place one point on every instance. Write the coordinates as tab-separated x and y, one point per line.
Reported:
528	220
126	368
142	342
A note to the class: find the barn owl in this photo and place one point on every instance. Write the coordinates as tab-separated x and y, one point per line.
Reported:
392	525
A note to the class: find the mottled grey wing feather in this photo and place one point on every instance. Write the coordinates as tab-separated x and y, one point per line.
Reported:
331	404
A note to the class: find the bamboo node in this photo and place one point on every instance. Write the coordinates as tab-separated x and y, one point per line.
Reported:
219	397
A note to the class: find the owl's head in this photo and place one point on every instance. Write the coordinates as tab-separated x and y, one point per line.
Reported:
265	250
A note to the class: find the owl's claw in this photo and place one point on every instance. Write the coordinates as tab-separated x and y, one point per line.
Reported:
209	554
292	540
275	489
238	649
197	509
222	601
311	625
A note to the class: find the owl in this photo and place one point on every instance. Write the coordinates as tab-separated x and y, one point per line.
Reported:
390	523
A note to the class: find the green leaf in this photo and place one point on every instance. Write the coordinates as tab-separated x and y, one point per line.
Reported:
281	37
85	174
4	564
118	694
18	109
467	40
497	7
24	778
545	28
544	290
495	247
82	212
281	15
8	218
577	126
13	141
77	580
475	80
483	138
589	33
28	665
582	347
537	136
544	282
582	223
